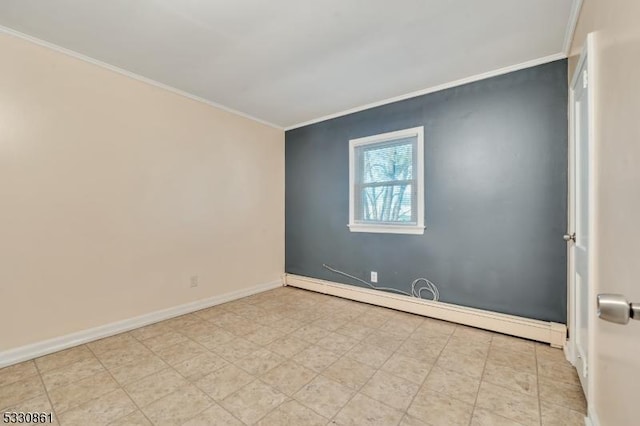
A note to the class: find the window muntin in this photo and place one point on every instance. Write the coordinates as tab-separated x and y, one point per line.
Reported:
386	191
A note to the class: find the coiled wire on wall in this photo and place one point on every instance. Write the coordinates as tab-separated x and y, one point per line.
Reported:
415	290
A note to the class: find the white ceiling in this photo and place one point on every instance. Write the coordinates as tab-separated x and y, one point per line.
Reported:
290	61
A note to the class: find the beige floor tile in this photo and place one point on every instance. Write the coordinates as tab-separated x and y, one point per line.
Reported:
260	362
292	413
214	338
511	379
71	373
355	331
155	386
371	319
362	410
101	411
423	348
181	352
563	394
63	358
289	377
471	334
558	371
401	327
473	348
214	416
544	351
178	407
391	390
202	330
337	343
502	341
437	409
17	372
37	404
350	372
435	327
461	363
137	418
164	340
453	384
324	396
264	335
137	370
310	333
153	330
119	341
408	368
223	382
199	366
554	415
483	417
315	358
372	356
287	325
65	397
128	354
521	361
331	323
179	323
411	421
515	406
288	346
236	349
384	340
253	401
242	327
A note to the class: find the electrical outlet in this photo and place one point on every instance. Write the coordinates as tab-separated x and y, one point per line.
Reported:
374	277
194	281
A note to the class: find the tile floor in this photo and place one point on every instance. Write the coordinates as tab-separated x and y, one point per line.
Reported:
292	357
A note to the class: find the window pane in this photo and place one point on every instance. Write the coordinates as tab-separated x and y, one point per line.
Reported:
387	203
388	161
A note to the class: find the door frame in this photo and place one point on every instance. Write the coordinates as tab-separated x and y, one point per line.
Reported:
587	57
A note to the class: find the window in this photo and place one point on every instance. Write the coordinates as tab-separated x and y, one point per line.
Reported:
386	185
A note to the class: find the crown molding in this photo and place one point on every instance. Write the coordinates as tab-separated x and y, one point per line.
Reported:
572	23
466	80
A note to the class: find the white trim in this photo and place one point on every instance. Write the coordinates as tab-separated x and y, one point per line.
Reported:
466	80
129	74
592	418
572	23
542	331
588	55
418	227
34	350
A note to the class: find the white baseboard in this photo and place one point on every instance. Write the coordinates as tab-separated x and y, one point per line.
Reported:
591	419
548	332
569	354
34	350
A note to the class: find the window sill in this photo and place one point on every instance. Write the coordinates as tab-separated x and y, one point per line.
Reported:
387	229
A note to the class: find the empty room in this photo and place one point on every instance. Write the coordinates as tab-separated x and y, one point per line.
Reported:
414	213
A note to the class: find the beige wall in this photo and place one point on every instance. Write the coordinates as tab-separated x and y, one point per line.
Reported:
616	364
114	192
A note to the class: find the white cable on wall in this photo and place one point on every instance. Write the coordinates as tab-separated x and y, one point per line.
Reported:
415	291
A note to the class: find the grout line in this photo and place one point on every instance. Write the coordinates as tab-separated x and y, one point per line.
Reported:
121	387
484	369
535	354
435	361
46	391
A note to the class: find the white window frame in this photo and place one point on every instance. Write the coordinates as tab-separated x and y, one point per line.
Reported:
389	228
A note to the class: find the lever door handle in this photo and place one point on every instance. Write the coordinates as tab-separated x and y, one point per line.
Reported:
615	308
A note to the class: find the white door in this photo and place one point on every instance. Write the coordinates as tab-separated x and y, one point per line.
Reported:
578	237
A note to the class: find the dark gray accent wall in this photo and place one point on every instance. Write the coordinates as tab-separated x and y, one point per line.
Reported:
495	195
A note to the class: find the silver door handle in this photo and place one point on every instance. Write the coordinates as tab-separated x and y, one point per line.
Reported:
569	237
615	308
